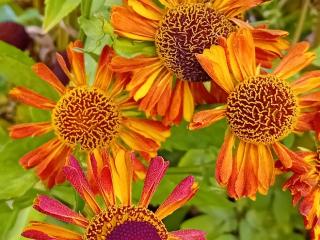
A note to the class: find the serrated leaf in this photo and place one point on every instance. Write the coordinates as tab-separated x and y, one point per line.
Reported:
56	10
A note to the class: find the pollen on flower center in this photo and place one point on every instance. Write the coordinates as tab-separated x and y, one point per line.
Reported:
185	31
262	109
86	116
128	222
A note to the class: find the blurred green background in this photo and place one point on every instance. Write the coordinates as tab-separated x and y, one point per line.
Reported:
41	28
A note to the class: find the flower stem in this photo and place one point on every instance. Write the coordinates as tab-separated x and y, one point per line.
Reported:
302	18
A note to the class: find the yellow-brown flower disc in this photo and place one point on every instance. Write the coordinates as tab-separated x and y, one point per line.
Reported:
262	109
86	116
185	31
128	222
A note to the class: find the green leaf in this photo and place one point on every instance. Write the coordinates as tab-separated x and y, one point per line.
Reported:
14	180
129	49
15	68
56	10
183	139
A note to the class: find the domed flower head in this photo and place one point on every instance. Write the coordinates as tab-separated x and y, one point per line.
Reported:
119	218
305	189
172	82
261	109
97	117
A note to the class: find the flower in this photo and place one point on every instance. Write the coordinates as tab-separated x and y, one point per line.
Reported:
261	109
305	189
98	118
118	219
171	83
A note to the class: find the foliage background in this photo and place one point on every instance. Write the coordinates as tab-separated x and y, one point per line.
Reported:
51	25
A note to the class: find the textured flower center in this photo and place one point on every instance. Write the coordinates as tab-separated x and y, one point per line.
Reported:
129	223
262	109
86	116
185	31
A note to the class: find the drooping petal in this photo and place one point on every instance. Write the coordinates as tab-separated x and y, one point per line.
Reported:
188	101
31	98
155	173
45	231
225	160
297	58
186	189
47	75
29	129
207	117
187	234
266	171
54	208
284	154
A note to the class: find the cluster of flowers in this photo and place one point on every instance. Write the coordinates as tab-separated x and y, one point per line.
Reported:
206	53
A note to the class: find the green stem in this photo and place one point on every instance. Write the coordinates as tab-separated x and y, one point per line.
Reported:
302	19
317	32
85	12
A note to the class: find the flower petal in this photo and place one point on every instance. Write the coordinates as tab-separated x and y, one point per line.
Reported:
54	208
47	75
31	98
155	173
29	129
76	59
205	118
297	58
45	231
187	234
186	189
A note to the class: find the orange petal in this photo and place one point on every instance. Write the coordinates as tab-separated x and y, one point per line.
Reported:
307	82
174	114
104	74
121	64
31	98
128	23
244	51
214	61
147	9
283	154
46	74
266	172
182	193
76	59
225	160
45	231
122	174
297	58
138	142
148	128
29	129
207	117
232	8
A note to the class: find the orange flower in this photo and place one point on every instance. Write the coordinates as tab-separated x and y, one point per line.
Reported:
171	83
116	219
261	109
305	189
98	118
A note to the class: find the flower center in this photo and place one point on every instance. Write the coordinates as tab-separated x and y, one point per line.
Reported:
185	31
86	116
262	109
129	222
